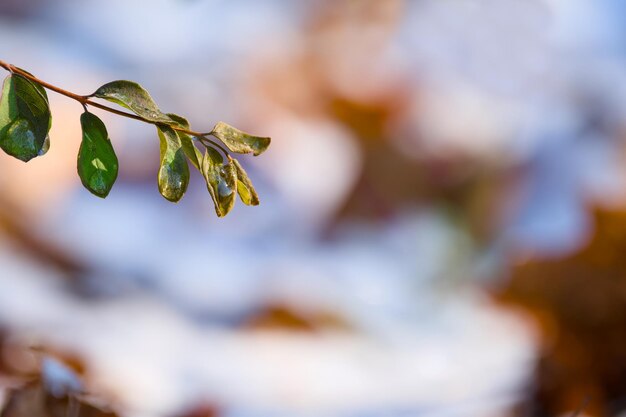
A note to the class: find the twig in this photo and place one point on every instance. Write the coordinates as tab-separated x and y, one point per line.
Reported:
86	101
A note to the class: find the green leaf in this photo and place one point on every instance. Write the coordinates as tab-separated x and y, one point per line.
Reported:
134	97
193	154
25	118
97	162
173	175
221	181
238	141
245	189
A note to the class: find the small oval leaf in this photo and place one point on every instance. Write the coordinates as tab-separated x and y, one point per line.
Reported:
134	97
221	181
245	189
238	141
173	177
25	118
97	162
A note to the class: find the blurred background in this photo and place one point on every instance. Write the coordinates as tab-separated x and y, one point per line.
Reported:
441	229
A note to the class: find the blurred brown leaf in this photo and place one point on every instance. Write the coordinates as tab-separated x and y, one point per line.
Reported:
278	316
580	304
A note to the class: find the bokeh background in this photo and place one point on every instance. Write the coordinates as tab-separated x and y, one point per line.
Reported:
442	221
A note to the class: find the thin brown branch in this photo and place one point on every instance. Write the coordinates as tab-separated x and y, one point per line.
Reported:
86	101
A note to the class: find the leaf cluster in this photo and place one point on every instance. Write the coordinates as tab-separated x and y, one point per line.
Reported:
25	121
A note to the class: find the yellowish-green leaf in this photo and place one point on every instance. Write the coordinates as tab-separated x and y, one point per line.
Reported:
134	97
245	189
238	141
221	181
173	177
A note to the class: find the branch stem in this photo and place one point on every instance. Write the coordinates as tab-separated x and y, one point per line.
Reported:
86	101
